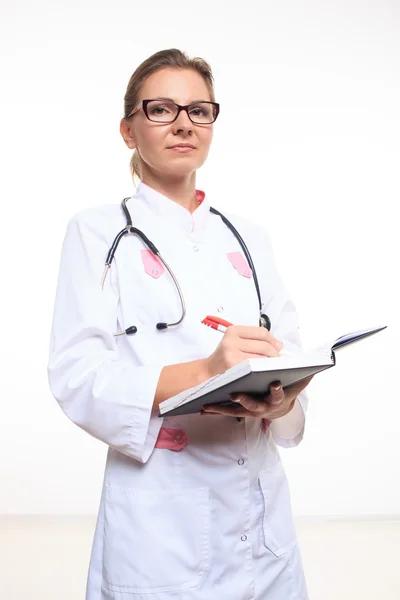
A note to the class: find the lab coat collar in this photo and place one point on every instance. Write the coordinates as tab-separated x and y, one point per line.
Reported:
169	210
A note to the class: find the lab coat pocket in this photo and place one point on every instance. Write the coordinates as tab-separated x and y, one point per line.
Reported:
155	540
278	525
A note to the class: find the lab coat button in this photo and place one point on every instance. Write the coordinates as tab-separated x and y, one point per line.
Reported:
243	538
196	248
155	272
240	461
220	309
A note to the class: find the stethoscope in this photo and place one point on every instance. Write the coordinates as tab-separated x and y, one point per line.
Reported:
264	320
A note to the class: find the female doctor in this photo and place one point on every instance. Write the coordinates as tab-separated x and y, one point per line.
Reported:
192	507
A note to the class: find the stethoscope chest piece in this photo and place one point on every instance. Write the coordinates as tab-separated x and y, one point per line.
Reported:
265	321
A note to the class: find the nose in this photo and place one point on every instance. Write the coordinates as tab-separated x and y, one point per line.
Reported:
182	122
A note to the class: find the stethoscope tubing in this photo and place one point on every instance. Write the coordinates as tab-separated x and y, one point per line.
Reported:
129	229
245	250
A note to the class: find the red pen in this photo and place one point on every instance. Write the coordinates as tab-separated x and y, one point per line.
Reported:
216	323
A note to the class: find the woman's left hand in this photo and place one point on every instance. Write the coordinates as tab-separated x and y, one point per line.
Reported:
274	405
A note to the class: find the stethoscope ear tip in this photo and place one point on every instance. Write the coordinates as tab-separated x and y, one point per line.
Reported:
130	330
161	326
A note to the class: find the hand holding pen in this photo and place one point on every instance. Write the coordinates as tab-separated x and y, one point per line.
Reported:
221	325
239	343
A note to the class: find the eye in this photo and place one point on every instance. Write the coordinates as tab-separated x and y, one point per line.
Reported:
160	108
202	112
157	110
199	111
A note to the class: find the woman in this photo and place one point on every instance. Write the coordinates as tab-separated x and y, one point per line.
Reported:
193	507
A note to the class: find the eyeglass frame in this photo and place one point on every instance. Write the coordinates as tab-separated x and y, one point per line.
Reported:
143	104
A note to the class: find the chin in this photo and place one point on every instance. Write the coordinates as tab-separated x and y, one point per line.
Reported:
185	167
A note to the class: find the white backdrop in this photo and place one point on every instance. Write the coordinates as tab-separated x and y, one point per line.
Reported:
315	157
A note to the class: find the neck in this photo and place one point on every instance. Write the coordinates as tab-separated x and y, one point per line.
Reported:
182	190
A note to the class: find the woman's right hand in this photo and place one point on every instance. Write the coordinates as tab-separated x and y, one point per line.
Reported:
239	343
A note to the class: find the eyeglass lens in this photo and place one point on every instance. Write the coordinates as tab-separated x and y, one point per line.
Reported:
163	111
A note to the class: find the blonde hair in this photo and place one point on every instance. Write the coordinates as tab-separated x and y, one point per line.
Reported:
172	58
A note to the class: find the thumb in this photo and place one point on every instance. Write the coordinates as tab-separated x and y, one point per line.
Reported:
276	393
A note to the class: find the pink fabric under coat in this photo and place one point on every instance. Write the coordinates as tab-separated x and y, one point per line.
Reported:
152	264
240	263
176	439
171	439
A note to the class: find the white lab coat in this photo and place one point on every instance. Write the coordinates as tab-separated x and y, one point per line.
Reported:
210	518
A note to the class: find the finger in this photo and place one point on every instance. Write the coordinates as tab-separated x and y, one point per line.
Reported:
276	393
228	411
250	355
221	407
259	347
249	403
255	333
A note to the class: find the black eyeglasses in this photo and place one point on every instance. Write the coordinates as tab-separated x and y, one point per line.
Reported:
166	111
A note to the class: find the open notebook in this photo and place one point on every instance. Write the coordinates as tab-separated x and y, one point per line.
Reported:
254	376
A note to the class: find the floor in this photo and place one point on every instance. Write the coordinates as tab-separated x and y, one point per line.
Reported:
343	560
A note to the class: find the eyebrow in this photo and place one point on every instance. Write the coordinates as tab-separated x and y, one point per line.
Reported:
172	100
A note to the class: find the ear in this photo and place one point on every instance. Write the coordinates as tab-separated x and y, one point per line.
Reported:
127	133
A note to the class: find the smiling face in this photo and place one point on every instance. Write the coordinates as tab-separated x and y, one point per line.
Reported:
153	140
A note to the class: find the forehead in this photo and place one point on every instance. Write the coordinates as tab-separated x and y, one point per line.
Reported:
181	85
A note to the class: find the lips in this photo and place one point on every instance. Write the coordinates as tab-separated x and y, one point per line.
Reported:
182	146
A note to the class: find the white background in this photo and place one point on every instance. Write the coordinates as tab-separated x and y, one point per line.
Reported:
307	141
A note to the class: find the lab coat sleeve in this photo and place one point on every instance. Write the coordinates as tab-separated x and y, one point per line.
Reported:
102	392
287	431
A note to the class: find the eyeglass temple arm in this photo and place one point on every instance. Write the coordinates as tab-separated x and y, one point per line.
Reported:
134	110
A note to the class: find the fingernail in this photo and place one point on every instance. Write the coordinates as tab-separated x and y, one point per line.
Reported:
276	387
279	345
237	399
